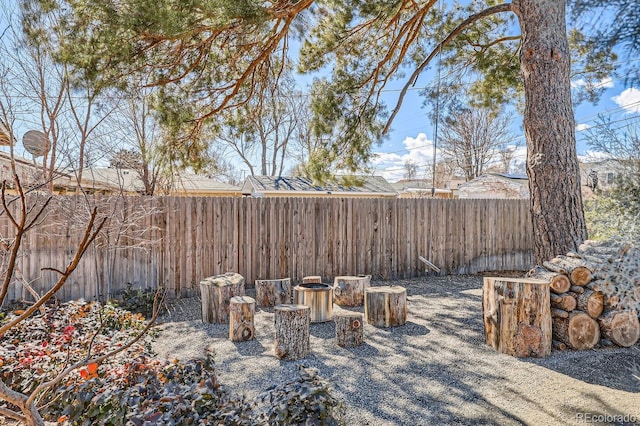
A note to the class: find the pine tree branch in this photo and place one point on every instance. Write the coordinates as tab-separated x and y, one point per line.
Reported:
505	7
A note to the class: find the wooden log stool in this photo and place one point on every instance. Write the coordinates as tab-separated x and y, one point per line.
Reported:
385	306
517	316
241	310
216	293
349	329
270	293
349	290
292	331
312	279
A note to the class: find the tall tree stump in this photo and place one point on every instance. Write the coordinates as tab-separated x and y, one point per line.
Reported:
312	279
270	293
292	331
241	312
385	306
621	327
349	290
517	316
349	329
216	292
578	330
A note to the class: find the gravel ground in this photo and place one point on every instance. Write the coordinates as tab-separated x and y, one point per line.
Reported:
434	370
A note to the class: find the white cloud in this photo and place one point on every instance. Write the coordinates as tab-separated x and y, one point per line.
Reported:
418	150
582	126
606	83
629	99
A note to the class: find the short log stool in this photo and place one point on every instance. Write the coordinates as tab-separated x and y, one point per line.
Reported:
216	292
270	293
349	290
349	329
517	316
312	279
385	306
241	310
292	331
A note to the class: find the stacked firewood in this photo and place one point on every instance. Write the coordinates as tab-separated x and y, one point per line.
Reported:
586	308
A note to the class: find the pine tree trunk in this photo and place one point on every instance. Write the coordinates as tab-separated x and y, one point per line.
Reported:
549	125
216	292
578	331
621	327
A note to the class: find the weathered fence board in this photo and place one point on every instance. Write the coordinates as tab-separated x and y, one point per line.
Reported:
177	241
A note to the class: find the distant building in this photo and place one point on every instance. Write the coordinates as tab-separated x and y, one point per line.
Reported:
422	188
600	175
496	185
281	186
185	184
110	180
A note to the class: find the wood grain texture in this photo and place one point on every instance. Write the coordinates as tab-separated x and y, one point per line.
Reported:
241	314
517	316
385	306
178	241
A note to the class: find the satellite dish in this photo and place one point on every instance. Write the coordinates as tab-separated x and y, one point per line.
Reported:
35	142
5	135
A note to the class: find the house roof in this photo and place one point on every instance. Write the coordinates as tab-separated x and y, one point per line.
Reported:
515	176
496	177
130	181
372	185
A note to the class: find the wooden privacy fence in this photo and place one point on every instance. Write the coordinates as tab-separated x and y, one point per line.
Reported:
177	241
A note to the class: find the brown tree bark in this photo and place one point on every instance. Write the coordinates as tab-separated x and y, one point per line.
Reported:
349	290
621	327
241	313
349	329
270	293
552	164
292	331
385	306
216	292
517	316
578	331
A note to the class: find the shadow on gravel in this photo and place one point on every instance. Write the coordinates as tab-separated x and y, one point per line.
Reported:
322	329
437	369
615	368
410	328
249	348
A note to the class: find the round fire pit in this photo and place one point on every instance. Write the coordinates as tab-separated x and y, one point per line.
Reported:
318	297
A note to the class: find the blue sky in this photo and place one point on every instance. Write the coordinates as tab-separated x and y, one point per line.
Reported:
411	135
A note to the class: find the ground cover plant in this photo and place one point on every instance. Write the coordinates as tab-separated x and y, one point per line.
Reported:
133	387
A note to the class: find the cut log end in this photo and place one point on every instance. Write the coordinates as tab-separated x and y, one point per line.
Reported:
578	331
621	327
